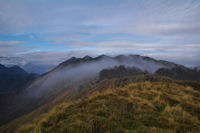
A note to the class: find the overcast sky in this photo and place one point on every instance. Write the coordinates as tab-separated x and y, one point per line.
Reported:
50	31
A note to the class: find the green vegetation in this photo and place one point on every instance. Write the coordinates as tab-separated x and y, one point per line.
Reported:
148	104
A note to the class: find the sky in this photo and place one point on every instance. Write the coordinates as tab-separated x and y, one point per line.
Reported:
51	31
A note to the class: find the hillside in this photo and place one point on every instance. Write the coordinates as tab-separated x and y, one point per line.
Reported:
70	77
130	104
13	81
74	73
100	66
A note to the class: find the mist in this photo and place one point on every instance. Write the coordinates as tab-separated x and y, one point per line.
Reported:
79	74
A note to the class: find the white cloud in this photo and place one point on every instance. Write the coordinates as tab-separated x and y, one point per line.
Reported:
13	50
54	58
10	43
134	17
175	23
179	53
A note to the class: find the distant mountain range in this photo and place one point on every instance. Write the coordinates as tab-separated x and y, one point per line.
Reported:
26	65
75	74
14	78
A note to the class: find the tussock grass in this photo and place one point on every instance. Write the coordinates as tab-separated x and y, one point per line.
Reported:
147	107
145	104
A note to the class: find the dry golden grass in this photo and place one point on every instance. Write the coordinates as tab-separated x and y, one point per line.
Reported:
160	106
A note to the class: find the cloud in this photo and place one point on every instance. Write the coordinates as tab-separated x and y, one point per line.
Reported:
54	58
95	27
13	50
189	60
138	46
10	43
151	17
145	17
187	54
170	29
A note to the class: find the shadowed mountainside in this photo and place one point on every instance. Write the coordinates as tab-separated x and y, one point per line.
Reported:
13	81
13	78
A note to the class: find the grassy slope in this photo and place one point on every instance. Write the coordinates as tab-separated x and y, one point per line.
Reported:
132	104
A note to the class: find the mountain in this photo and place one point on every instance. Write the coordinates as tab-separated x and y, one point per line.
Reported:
13	80
69	78
145	103
26	65
77	72
38	69
142	62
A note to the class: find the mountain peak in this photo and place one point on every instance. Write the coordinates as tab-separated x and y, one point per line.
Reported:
75	60
87	57
72	59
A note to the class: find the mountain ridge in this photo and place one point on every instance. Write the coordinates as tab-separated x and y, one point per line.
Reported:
75	74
